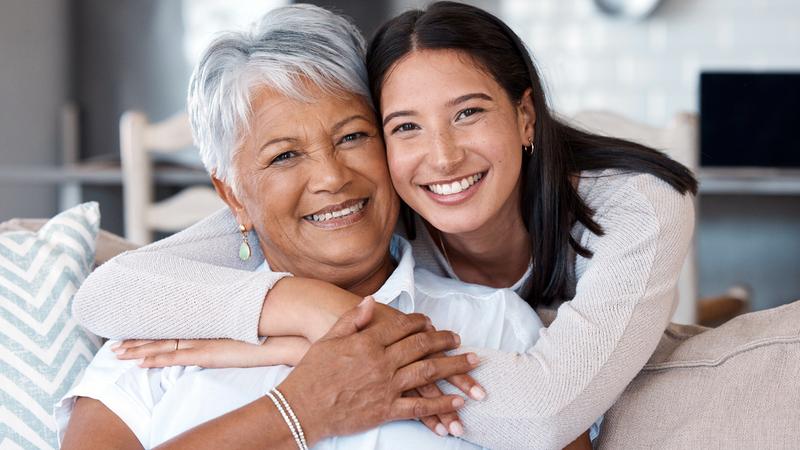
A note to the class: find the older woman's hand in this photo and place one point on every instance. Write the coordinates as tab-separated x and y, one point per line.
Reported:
289	350
366	370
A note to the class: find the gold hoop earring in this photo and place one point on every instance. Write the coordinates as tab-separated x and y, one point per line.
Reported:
244	249
528	148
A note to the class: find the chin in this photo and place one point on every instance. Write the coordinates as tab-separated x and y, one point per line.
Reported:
353	250
455	224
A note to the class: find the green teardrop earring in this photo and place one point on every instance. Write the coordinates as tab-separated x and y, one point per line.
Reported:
244	249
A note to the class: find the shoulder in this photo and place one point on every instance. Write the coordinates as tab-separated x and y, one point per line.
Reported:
214	240
619	198
220	225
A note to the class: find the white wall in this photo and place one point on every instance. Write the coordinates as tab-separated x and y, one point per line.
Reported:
34	84
649	70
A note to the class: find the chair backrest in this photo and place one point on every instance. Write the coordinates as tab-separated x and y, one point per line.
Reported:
679	140
138	139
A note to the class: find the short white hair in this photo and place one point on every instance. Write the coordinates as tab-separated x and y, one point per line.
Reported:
285	50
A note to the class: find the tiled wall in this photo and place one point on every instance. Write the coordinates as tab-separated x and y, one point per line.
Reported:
649	69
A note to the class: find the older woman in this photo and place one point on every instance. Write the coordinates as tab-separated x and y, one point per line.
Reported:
299	162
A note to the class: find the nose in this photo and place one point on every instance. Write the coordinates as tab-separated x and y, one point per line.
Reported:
445	154
331	174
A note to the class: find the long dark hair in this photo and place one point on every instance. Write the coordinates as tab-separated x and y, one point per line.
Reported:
550	203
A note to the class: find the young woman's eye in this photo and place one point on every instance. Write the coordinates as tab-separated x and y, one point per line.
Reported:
468	112
283	157
408	126
353	137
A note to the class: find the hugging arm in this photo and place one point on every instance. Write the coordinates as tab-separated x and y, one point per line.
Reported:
385	359
600	339
192	285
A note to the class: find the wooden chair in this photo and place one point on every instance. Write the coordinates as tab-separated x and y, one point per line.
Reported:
138	139
679	140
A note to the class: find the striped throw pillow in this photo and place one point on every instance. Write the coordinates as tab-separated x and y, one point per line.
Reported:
42	348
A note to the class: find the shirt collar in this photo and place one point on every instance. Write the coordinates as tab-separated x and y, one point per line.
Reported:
402	278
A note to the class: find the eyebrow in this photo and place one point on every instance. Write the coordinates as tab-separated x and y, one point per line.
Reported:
465	97
277	140
450	103
336	127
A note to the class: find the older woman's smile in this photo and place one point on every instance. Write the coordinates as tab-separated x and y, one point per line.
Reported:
341	215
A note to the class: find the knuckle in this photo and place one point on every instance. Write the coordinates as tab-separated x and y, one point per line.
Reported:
404	320
427	371
428	390
419	409
421	342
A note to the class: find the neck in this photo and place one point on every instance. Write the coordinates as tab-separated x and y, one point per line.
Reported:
497	254
355	278
370	284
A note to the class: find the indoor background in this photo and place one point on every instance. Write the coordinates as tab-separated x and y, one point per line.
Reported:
70	68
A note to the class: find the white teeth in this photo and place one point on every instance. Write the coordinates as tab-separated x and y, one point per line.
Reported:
456	186
336	214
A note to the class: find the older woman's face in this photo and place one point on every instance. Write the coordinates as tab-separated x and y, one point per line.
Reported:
313	183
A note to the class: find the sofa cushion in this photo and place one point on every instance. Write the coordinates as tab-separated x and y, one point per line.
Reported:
42	348
735	386
109	245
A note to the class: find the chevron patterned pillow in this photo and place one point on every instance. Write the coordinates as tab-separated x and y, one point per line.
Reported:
42	348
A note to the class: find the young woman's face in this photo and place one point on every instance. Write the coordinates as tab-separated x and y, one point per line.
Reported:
454	140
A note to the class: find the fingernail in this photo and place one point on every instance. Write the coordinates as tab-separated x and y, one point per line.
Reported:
441	430
363	301
456	429
119	351
457	338
139	362
477	393
473	359
115	346
458	402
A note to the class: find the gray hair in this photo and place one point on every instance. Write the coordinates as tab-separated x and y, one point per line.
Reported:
287	48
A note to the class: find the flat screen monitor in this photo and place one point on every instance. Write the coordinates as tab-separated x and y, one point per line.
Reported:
750	119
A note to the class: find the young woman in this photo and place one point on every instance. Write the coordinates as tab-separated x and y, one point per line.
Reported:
503	194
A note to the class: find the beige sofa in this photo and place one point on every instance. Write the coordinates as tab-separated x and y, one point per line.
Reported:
735	386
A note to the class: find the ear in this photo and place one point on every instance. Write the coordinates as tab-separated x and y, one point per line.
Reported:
527	116
226	193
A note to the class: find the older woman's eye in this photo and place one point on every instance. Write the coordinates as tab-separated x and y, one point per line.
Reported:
468	112
408	126
353	137
285	156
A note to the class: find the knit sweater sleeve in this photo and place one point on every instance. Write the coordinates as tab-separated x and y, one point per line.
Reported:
624	298
191	285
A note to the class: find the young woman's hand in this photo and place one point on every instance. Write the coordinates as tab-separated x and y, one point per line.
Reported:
441	424
448	423
214	353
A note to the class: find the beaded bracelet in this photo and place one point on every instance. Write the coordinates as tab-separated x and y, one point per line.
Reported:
292	423
293	416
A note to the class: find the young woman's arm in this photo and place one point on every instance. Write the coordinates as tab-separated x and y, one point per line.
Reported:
599	341
193	285
385	358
